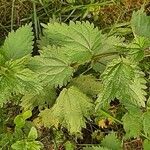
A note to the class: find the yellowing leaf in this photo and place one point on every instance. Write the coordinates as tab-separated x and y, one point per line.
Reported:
70	110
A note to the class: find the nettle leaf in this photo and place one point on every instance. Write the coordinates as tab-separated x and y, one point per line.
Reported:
16	78
111	142
46	96
52	66
18	43
88	84
49	119
137	89
140	23
122	80
70	110
80	40
132	123
82	34
146	123
137	48
76	54
110	46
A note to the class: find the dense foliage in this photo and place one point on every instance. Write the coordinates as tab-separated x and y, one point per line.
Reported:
81	76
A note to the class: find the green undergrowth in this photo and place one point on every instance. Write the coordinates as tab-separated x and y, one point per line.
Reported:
86	89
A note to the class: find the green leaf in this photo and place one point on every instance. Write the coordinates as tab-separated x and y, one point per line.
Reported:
146	144
49	119
45	96
69	146
111	142
70	110
25	145
16	78
53	66
82	34
140	23
122	80
19	121
132	123
137	48
137	89
33	134
80	40
100	65
19	145
88	84
19	43
146	123
27	114
110	46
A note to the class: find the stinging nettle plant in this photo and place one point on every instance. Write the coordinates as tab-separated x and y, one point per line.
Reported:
80	43
15	75
90	69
